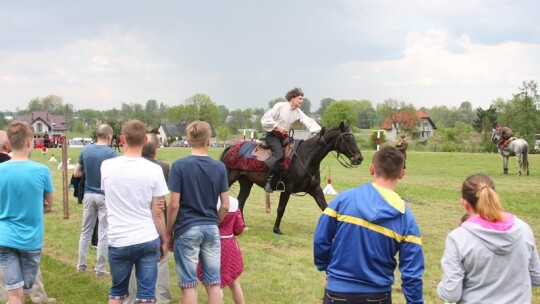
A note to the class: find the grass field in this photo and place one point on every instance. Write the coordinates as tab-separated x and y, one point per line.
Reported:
279	269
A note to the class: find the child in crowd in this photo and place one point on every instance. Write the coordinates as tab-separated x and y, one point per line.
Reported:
232	264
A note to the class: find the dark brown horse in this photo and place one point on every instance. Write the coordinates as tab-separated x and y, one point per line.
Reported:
303	173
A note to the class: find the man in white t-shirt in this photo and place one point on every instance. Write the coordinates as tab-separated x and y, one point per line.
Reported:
135	192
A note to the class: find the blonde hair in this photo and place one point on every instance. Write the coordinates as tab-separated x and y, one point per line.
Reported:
479	191
18	133
134	132
198	133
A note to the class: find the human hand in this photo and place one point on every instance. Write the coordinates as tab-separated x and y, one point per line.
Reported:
162	251
170	243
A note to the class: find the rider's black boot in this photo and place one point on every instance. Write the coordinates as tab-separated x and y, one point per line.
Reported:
268	185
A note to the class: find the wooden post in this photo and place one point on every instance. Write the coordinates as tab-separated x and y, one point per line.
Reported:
65	189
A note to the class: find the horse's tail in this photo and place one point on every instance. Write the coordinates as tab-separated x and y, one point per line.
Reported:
222	157
526	158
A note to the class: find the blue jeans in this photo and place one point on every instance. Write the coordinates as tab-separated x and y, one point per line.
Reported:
144	257
20	267
93	207
198	242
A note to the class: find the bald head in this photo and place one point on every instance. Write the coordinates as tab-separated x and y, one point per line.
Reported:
103	131
4	142
151	145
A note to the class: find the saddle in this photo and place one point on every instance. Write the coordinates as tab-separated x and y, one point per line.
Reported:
251	156
262	153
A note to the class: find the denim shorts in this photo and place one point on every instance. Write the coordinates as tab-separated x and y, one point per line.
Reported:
144	257
198	242
20	267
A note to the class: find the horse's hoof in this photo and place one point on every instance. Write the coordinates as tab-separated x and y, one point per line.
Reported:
277	231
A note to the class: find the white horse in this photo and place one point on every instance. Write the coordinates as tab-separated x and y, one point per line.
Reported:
517	147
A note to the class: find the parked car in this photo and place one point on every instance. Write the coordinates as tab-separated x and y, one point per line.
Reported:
179	143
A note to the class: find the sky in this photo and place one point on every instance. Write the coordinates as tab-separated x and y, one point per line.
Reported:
244	53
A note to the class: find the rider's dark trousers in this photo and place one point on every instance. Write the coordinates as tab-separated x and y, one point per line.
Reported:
273	141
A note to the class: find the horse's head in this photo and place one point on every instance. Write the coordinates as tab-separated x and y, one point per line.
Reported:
495	136
340	139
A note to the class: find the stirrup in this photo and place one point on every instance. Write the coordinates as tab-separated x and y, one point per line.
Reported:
280	186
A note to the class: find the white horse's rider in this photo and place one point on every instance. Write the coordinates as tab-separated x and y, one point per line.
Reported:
277	122
505	134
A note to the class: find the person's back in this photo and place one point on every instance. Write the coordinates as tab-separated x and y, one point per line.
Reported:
492	256
134	187
195	183
375	220
89	164
24	186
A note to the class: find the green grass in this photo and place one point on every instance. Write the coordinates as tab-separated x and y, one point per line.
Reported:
279	269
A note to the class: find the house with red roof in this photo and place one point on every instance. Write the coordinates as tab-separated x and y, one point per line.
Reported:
417	124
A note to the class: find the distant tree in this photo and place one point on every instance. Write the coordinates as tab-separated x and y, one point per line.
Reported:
3	121
206	109
367	116
485	121
306	106
223	133
223	113
324	104
402	116
271	103
152	114
337	112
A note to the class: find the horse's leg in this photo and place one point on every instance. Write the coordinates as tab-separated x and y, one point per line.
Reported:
318	195
520	162
245	189
505	164
283	200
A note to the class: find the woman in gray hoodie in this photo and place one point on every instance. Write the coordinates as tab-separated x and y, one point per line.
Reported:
492	257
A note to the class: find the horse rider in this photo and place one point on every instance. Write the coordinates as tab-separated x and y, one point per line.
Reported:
277	122
505	135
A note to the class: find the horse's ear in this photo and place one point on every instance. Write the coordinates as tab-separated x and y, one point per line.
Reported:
322	130
344	125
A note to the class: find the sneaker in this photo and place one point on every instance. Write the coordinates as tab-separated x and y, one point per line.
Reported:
102	274
81	269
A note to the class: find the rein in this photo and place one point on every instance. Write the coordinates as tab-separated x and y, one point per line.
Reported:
345	162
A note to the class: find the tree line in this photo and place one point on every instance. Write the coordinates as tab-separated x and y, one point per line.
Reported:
458	128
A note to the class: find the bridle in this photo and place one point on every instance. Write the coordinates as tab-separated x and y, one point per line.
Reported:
344	161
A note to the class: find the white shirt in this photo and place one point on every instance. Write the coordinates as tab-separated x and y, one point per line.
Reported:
282	115
130	184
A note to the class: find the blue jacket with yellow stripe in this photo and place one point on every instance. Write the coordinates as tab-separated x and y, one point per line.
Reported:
357	239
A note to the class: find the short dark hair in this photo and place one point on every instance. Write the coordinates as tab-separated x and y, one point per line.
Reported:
295	92
388	162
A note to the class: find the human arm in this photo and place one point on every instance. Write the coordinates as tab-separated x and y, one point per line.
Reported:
239	225
172	213
309	122
323	238
411	261
268	121
224	207
159	221
78	171
48	199
450	287
534	262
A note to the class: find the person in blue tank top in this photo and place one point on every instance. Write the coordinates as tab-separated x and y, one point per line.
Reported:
25	186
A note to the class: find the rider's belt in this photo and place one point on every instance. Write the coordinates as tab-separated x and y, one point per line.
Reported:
277	134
